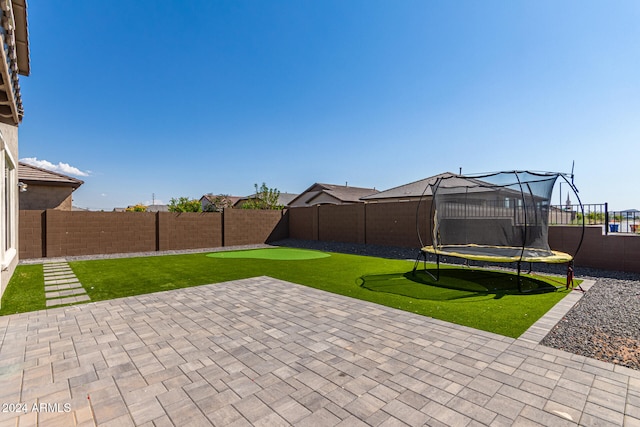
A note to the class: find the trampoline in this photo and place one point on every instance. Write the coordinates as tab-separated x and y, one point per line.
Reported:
501	217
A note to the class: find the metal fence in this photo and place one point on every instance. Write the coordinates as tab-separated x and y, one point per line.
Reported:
596	214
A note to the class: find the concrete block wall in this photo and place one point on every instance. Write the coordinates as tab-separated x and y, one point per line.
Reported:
303	223
390	224
88	233
248	226
30	234
342	223
55	233
189	230
394	224
619	252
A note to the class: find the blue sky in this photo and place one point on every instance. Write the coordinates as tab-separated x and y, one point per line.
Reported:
182	98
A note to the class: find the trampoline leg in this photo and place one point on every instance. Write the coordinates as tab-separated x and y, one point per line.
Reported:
438	267
415	265
570	283
519	279
423	254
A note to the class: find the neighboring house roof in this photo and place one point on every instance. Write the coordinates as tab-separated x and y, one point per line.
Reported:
158	208
210	198
286	198
422	188
338	193
412	190
34	175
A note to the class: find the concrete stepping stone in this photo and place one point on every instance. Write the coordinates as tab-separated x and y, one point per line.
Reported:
61	285
48	288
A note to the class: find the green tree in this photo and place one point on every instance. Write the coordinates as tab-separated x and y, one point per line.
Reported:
184	204
137	208
265	198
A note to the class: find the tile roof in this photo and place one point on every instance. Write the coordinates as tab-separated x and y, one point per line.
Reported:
346	193
286	198
422	187
413	189
34	175
343	193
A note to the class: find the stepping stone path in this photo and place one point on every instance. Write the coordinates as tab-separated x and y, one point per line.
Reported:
61	286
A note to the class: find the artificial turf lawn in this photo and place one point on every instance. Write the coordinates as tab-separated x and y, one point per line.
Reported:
487	301
280	254
25	291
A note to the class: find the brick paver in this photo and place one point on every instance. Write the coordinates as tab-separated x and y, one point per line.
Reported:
266	352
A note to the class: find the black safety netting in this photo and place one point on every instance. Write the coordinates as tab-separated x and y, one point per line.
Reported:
503	214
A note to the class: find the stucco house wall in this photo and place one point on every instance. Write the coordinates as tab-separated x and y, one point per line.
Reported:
40	197
15	61
9	234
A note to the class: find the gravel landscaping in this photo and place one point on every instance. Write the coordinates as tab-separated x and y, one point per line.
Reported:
604	324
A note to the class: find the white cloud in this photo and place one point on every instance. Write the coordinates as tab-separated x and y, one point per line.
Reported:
151	202
61	167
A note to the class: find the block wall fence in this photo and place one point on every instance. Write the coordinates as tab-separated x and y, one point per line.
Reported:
395	224
54	233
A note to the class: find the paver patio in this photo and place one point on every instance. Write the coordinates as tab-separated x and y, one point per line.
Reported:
266	352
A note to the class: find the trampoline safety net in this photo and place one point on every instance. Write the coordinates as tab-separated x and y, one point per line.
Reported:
502	216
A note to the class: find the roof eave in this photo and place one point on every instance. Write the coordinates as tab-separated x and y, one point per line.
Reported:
22	36
15	59
52	183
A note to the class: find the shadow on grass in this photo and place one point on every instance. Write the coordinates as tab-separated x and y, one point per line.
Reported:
454	284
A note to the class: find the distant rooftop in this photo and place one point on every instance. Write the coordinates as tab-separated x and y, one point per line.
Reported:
413	189
339	193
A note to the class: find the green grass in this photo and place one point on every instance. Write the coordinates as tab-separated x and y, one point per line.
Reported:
483	300
25	291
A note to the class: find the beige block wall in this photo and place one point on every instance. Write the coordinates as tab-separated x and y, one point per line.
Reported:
10	137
